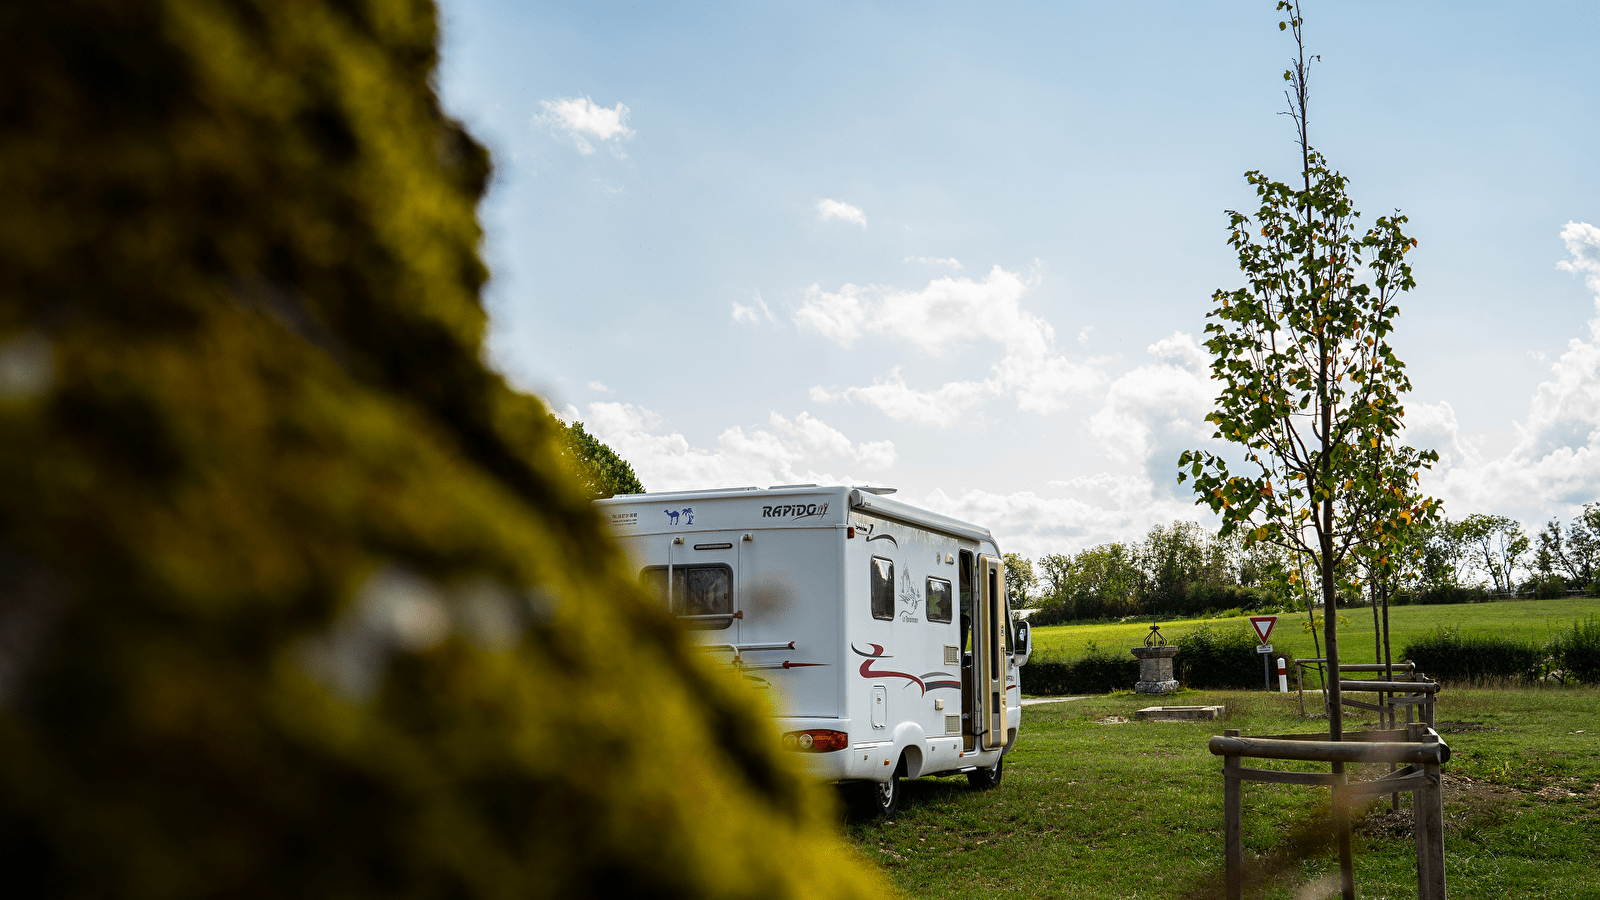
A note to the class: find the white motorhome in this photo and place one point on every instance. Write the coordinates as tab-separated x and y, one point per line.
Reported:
881	629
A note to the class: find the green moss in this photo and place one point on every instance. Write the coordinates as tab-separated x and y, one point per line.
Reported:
296	597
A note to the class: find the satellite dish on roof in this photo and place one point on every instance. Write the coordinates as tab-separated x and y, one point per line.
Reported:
880	491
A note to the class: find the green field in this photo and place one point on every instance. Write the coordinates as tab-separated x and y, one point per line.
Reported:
1094	806
1530	619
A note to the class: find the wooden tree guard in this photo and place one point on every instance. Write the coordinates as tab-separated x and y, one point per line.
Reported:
1418	747
1408	689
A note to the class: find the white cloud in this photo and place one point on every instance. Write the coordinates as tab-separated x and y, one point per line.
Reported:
1554	465
1433	426
579	119
941	406
948	262
754	314
1583	242
836	209
1100	509
1155	412
599	386
1149	415
790	452
947	314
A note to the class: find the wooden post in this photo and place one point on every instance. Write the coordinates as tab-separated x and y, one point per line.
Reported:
1419	827
1233	837
1429	807
1341	824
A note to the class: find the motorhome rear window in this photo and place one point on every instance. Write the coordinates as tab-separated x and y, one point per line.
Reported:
702	595
939	602
882	588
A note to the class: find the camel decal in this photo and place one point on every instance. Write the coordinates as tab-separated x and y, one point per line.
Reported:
673	514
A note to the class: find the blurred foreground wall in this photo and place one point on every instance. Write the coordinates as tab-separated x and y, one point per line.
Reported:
296	598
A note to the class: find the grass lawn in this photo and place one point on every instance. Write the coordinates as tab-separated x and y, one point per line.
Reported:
1531	619
1095	804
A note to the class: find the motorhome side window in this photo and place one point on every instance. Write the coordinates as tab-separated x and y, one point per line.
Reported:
939	600
701	595
882	588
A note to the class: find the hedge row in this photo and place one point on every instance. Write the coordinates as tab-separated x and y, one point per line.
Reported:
1208	657
1572	655
1096	672
1218	657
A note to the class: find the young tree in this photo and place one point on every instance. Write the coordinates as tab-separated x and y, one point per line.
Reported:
1052	572
1021	584
1583	545
1547	554
1105	582
1499	547
1171	561
1577	553
1443	555
1392	552
1310	387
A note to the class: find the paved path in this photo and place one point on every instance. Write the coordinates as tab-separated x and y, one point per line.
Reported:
1032	701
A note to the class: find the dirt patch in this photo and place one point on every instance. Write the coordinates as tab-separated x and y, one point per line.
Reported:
1459	727
1464	800
1384	822
1112	720
1470	792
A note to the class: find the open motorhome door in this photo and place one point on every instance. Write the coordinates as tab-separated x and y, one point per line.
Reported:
989	642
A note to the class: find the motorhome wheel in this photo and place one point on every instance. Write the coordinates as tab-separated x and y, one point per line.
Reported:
870	801
986	779
886	797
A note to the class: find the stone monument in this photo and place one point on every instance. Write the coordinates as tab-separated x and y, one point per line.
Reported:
1155	665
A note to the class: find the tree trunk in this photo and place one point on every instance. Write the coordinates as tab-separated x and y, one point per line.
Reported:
1377	632
1330	625
1316	640
1388	661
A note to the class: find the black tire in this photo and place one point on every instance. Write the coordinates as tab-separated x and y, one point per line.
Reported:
987	779
876	801
872	801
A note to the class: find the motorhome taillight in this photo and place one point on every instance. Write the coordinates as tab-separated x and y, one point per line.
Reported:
816	740
850	532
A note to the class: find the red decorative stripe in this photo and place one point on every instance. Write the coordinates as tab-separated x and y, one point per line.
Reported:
867	672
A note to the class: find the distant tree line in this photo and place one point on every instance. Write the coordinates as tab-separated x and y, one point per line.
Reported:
1185	569
1177	570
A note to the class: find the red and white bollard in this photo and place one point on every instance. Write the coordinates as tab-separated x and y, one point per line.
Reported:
1283	677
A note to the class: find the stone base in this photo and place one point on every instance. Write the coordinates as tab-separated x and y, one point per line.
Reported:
1156	687
1178	713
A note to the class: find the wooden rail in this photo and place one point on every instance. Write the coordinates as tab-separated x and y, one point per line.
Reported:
1418	747
1408	689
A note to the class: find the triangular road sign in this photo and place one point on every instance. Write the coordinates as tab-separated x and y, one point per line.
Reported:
1263	626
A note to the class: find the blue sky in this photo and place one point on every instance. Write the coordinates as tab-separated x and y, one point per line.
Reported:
967	250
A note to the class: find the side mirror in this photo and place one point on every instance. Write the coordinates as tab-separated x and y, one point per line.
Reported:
1024	643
